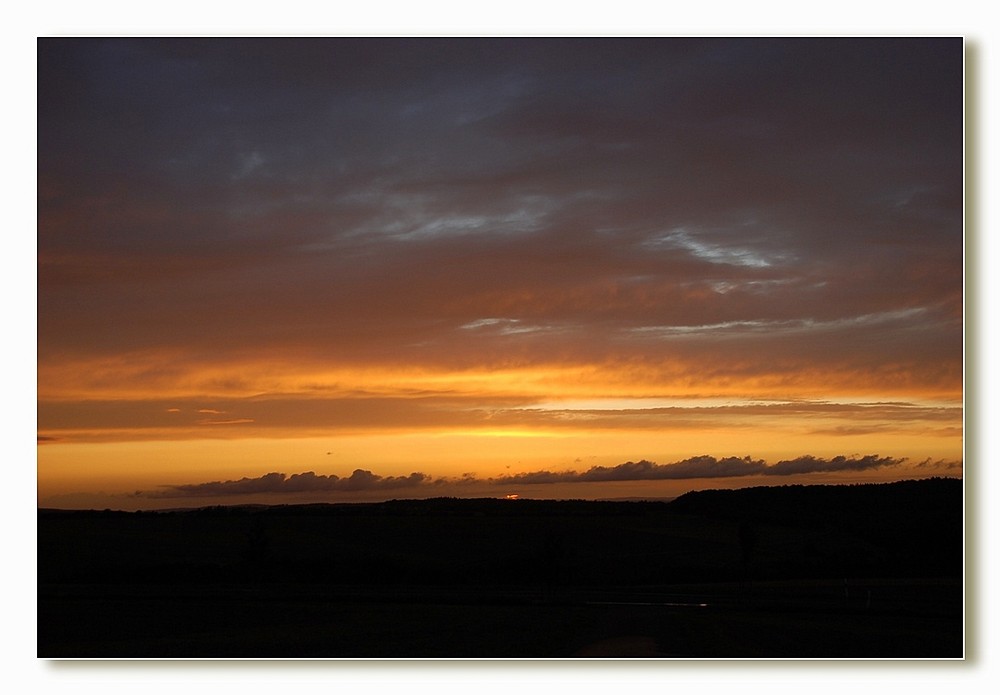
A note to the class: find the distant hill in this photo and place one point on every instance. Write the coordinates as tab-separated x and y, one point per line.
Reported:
818	570
825	504
912	525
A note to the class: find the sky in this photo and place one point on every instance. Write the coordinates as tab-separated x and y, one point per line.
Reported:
299	270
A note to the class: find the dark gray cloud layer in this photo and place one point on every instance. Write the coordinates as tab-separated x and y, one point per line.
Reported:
705	467
363	480
280	483
363	200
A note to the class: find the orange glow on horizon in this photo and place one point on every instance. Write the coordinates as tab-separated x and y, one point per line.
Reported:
125	466
126	425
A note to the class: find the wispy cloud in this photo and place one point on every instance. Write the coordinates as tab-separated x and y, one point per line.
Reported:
406	406
613	190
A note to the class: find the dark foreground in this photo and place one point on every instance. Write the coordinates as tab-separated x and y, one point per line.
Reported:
869	571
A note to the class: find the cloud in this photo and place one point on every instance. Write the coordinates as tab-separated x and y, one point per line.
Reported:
234	421
410	405
698	467
616	200
837	464
940	464
281	483
703	467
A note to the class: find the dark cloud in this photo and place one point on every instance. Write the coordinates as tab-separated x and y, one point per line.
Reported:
940	464
705	467
571	180
699	467
837	464
280	483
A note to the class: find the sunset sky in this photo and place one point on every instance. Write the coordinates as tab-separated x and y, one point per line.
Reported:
299	270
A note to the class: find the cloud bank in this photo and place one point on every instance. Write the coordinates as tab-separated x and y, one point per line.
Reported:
699	467
280	483
706	467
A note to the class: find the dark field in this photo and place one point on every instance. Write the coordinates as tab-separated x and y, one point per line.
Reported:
871	571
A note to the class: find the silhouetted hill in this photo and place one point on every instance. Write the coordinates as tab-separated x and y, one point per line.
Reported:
308	580
911	528
818	504
901	528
